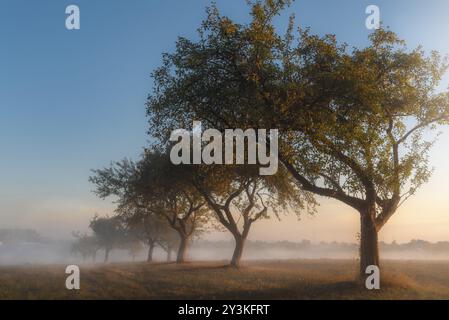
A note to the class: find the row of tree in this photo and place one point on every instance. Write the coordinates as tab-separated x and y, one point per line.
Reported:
354	125
163	199
117	232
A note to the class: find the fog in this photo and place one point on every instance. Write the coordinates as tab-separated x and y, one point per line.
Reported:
48	251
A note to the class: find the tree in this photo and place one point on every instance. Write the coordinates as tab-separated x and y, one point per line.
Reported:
151	198
354	124
239	196
165	194
141	222
169	242
109	232
366	144
145	226
134	248
85	245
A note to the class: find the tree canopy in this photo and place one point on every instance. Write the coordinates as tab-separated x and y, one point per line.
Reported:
355	124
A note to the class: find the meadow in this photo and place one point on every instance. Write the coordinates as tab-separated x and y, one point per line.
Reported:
271	279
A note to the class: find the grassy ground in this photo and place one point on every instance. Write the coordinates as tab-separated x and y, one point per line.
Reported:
307	279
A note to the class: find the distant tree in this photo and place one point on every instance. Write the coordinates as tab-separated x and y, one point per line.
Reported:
85	245
150	198
14	236
170	242
134	247
109	232
147	227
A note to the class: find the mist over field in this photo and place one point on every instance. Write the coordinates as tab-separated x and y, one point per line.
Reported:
27	247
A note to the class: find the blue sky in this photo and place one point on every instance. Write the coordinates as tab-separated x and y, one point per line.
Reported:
71	101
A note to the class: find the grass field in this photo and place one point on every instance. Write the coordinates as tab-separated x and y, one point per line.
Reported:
305	279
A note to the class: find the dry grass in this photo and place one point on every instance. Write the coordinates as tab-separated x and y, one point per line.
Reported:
306	279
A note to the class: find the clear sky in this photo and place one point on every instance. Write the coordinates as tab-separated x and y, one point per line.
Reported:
71	101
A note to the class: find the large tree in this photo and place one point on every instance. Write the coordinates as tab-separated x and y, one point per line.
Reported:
355	125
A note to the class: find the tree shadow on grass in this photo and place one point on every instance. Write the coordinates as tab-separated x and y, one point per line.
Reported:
304	290
324	290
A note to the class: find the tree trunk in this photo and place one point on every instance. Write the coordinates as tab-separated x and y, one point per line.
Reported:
106	255
169	250
182	250
369	247
238	251
150	252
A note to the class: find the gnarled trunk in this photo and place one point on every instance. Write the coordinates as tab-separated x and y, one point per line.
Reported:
150	251
169	250
238	250
182	250
106	255
369	246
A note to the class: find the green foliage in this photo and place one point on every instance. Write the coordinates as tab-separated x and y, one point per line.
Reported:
164	189
154	203
355	124
109	232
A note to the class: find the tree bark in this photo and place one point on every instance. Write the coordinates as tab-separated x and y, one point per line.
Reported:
150	252
369	247
169	250
182	250
238	250
106	255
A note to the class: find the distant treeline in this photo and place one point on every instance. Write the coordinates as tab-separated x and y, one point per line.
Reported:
413	245
17	236
22	236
